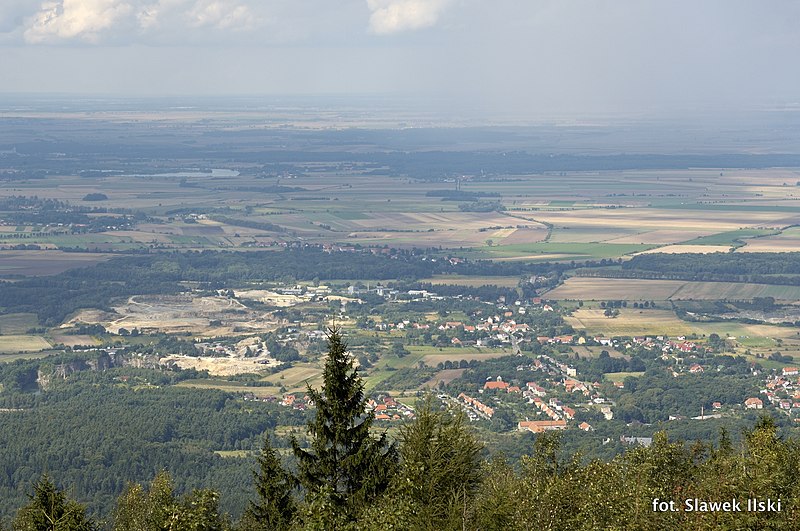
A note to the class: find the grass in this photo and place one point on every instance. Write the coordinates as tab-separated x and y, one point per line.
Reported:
620	376
237	454
9	358
229	387
561	251
294	379
731	238
17	323
19	343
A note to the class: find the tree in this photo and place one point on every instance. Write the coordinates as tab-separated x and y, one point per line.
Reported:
140	509
51	510
345	465
274	507
440	467
157	508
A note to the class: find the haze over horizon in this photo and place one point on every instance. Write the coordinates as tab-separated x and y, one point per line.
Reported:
509	56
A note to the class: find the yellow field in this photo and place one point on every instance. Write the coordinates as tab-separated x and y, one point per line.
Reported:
786	241
23	344
678	249
587	288
598	289
634	322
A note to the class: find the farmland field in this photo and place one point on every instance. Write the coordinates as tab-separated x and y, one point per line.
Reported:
18	343
295	378
634	322
47	262
17	323
591	288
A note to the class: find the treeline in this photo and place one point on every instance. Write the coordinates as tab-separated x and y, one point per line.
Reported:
32	210
460	195
760	268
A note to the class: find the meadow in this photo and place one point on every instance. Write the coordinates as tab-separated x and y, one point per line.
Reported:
23	343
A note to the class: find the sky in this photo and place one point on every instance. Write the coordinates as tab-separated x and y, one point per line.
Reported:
504	55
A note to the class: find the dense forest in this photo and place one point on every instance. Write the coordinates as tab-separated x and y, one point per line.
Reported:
347	475
99	430
762	268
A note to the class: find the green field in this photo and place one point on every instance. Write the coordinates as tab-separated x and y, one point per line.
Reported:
620	376
8	358
731	238
557	251
17	323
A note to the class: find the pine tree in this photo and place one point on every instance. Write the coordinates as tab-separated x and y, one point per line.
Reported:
441	467
274	506
51	510
345	465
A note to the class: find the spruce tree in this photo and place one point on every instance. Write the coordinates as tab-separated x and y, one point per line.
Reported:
345	465
51	510
274	507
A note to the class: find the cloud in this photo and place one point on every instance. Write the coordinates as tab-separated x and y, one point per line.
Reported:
82	19
220	14
99	21
394	16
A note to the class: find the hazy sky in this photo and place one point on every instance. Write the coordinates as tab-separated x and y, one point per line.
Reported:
529	54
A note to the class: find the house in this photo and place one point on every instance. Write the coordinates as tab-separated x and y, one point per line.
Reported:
717	405
497	385
695	368
585	426
536	389
753	403
569	412
288	400
539	426
790	371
